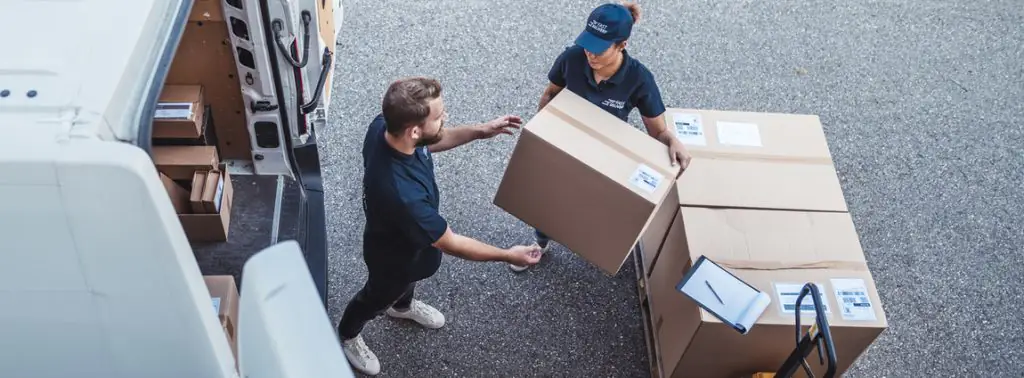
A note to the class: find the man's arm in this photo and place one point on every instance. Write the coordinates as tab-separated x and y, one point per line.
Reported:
471	249
461	135
457	136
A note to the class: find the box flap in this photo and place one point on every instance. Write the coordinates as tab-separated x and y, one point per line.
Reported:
179	196
776	251
756	160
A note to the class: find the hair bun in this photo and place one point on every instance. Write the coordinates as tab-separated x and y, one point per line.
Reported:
634	10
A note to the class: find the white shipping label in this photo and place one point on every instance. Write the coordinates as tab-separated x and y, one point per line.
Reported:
852	295
216	305
739	134
787	299
173	110
646	179
689	128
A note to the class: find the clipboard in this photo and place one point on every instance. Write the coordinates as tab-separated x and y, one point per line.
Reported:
724	295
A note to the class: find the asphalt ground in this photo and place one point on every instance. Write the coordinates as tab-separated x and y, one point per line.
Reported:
922	103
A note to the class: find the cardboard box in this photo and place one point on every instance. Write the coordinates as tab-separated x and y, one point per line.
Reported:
212	227
179	112
181	162
213	191
179	196
208	134
224	295
748	160
768	249
756	160
585	178
195	197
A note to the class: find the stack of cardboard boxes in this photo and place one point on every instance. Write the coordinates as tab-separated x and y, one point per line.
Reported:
761	198
197	183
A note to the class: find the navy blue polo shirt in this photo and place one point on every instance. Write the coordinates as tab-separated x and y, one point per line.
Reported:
400	201
632	86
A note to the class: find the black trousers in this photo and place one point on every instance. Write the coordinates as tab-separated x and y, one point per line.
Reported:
378	293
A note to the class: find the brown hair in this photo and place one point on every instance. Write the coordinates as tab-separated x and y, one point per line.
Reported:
634	10
407	102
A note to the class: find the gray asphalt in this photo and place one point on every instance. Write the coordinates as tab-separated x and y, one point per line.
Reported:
922	103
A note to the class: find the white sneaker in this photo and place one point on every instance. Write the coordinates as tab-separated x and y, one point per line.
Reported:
422	313
360	356
517	268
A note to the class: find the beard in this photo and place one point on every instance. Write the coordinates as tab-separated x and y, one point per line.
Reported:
426	141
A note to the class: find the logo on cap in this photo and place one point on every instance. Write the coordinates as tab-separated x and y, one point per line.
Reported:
598	27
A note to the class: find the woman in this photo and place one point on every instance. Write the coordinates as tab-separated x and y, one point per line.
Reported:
599	69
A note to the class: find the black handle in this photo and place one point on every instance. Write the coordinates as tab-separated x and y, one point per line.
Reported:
324	70
819	337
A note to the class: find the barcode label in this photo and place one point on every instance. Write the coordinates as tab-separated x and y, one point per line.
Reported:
688	128
173	110
853	299
788	293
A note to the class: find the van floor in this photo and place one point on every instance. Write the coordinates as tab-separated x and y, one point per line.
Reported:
252	224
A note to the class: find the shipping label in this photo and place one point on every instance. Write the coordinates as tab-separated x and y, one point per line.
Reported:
852	295
739	134
688	128
788	293
645	178
173	110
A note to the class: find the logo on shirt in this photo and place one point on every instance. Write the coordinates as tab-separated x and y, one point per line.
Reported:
614	103
597	26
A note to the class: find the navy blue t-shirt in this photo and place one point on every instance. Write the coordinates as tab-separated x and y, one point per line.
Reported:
632	86
400	200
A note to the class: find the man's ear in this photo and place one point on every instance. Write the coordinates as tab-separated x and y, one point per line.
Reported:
415	132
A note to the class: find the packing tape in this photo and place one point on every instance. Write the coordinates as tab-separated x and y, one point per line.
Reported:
792	265
609	141
720	155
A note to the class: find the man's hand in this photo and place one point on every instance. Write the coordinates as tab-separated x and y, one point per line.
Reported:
503	125
678	154
522	255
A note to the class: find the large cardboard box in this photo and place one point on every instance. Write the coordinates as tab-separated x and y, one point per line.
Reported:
749	160
588	180
756	160
179	112
776	252
224	295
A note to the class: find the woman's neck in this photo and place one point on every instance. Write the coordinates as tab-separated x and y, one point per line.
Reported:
610	71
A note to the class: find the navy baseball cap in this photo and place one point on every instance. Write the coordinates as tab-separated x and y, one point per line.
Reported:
607	24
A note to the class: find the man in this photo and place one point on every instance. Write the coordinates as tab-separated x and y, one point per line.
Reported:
404	234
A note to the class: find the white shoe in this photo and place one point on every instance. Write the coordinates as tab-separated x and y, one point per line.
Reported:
422	313
360	356
517	268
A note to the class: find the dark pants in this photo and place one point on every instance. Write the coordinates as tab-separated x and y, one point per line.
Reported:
378	293
542	239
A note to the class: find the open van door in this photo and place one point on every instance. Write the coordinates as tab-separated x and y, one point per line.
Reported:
266	70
